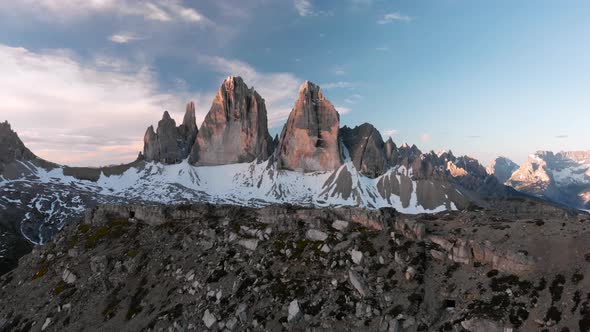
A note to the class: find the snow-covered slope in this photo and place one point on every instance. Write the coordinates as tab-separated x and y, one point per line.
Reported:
563	177
51	198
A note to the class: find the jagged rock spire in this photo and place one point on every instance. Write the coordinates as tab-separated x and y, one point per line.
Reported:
170	144
309	140
235	130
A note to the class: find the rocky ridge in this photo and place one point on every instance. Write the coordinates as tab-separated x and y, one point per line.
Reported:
205	267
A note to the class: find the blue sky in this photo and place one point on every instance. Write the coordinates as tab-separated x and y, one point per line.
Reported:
84	78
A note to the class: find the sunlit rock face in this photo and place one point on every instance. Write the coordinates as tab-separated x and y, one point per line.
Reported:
235	130
309	140
366	148
563	177
170	144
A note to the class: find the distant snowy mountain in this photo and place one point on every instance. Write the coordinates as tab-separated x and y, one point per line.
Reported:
562	177
502	168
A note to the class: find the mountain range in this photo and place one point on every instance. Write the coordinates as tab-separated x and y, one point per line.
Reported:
233	159
562	177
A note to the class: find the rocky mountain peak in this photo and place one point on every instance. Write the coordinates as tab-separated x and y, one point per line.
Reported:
366	148
502	168
188	131
189	119
236	129
309	140
11	146
170	144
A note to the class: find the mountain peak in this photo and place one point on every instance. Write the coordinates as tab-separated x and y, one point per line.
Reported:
309	140
235	129
11	146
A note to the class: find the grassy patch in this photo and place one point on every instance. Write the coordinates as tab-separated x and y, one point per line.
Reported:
59	288
41	272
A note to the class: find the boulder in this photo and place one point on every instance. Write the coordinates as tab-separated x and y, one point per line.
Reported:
309	141
235	130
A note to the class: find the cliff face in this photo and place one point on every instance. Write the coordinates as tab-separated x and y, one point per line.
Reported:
235	130
170	144
309	141
11	147
366	148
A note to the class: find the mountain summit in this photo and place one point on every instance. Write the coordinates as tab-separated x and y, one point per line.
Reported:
309	141
236	129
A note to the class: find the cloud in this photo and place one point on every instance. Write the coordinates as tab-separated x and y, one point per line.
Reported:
389	132
278	89
91	113
338	85
124	38
353	99
338	70
394	17
425	137
304	7
562	136
67	10
343	109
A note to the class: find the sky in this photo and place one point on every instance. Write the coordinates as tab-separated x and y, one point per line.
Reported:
83	79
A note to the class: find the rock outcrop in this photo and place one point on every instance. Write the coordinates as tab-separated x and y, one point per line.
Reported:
11	147
235	130
188	130
502	168
366	148
309	141
170	144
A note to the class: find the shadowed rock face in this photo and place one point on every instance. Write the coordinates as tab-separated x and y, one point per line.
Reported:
366	148
502	168
309	140
168	140
170	144
235	130
11	147
188	130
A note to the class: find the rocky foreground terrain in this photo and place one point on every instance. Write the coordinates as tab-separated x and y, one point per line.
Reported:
523	266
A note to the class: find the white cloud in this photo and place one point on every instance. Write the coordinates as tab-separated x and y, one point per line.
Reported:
338	85
67	10
353	99
278	89
343	109
304	7
394	17
339	70
425	137
124	38
389	132
83	113
382	48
